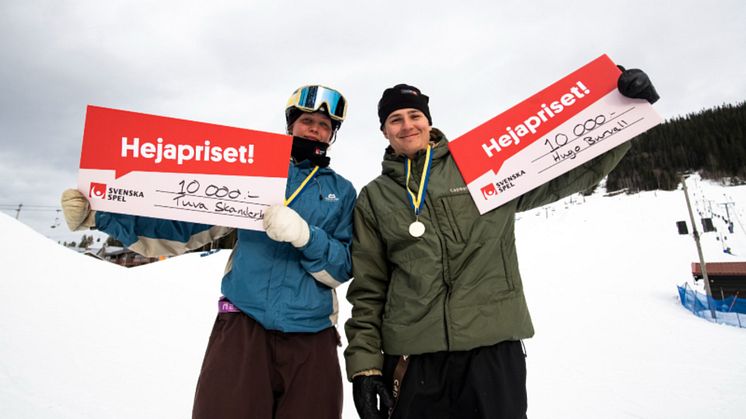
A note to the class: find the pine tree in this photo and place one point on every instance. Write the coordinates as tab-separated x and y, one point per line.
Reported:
111	241
86	241
710	141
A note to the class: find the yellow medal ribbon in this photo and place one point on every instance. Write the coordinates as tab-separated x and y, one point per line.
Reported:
416	200
302	185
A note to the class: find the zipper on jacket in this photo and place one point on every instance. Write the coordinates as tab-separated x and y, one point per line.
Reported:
318	187
446	315
446	324
452	220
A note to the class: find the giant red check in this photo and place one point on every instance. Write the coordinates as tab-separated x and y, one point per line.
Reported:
140	164
570	122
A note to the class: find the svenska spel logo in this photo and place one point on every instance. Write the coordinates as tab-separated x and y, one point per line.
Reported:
489	191
97	190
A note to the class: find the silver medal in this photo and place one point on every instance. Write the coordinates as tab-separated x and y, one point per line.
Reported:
416	229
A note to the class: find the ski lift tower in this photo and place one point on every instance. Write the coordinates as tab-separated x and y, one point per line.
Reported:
695	233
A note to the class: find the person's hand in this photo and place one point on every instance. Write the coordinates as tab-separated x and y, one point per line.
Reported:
285	225
77	210
636	84
366	390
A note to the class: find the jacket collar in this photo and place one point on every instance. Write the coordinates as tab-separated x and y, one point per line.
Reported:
307	166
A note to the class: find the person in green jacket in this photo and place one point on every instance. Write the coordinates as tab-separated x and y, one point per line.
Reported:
437	291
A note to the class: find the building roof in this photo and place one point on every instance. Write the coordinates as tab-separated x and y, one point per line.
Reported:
720	269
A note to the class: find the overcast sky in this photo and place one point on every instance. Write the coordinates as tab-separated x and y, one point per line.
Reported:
236	62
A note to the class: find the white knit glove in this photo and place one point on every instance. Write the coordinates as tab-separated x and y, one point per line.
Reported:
285	225
77	210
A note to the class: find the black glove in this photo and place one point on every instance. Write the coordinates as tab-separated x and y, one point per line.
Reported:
366	390
636	84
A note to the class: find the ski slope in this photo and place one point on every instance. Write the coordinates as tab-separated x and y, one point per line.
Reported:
81	338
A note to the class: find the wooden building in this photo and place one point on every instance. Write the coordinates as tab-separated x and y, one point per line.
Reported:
120	255
727	279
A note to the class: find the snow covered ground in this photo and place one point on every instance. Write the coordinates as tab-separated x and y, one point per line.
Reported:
81	338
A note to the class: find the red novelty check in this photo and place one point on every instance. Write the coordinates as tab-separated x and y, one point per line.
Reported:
570	122
139	164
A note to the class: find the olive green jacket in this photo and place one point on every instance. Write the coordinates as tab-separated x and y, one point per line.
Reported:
458	286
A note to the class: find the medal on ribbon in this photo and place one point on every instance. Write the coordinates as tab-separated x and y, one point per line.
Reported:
417	228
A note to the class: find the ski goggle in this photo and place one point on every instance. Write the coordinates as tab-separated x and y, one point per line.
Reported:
311	98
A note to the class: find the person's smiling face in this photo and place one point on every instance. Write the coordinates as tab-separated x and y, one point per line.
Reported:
407	130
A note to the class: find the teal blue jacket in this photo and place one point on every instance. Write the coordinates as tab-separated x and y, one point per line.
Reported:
282	287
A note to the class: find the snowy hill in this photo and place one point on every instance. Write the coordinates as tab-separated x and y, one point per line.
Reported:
81	338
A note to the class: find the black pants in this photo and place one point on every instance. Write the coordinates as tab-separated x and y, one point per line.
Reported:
253	373
483	383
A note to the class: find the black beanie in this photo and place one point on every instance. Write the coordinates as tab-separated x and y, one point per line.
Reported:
402	96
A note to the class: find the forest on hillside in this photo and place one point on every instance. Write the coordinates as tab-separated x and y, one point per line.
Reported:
711	142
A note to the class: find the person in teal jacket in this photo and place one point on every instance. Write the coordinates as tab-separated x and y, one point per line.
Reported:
272	352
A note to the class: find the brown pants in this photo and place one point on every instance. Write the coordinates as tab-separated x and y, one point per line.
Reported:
253	373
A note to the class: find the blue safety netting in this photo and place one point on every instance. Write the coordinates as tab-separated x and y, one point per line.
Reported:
730	310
